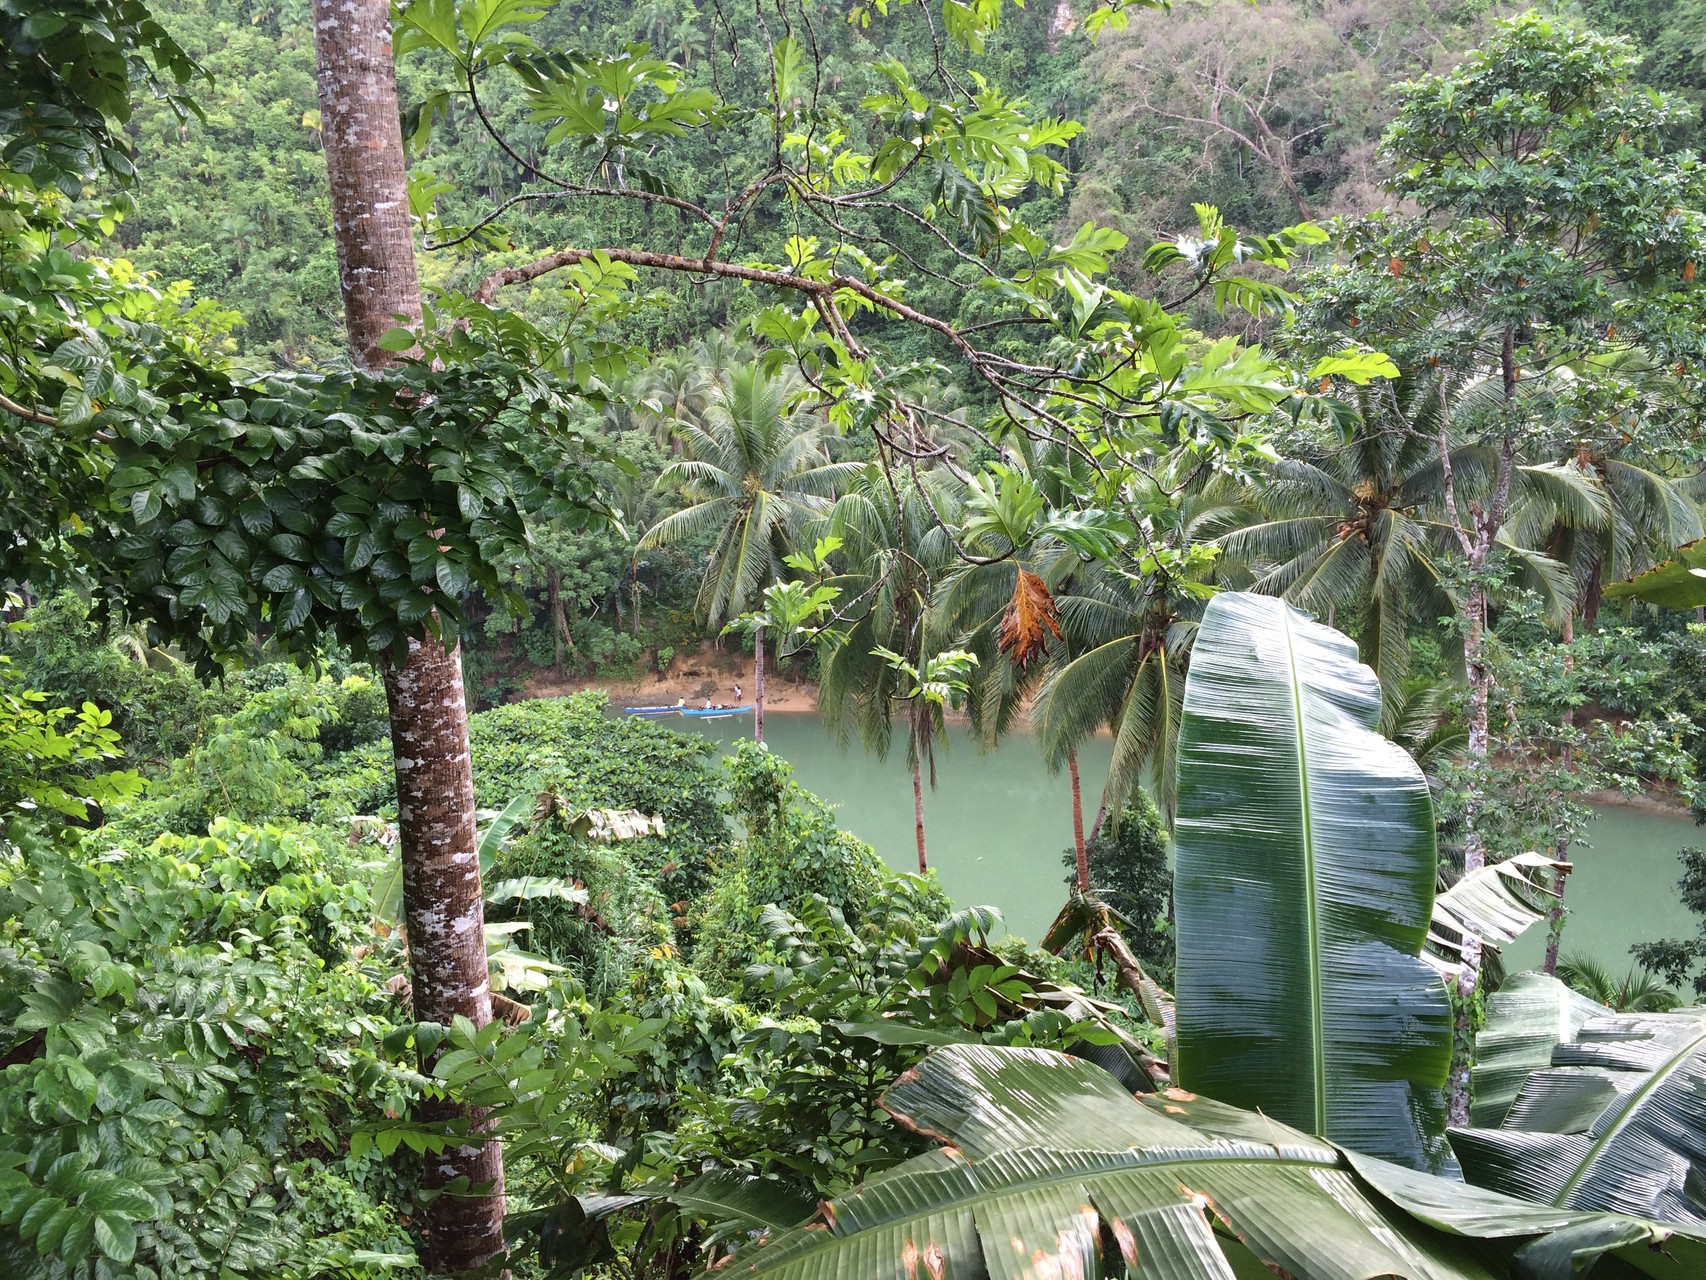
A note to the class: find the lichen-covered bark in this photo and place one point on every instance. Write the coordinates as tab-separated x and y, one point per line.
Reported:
366	171
443	907
442	900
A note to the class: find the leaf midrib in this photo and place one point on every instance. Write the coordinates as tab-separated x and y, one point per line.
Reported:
1659	1079
1317	1030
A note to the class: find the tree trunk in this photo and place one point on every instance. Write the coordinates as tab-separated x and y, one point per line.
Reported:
444	909
1078	846
1555	926
758	685
559	624
918	811
442	899
1480	677
1101	815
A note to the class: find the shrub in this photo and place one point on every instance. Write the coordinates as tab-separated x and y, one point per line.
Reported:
186	1040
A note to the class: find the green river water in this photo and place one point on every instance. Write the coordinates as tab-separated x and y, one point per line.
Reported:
997	825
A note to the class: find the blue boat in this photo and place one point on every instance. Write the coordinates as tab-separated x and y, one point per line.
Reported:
715	713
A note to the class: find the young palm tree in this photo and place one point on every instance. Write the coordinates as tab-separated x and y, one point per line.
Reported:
755	473
681	388
1121	664
1638	991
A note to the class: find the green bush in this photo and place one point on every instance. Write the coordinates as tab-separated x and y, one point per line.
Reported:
187	1040
158	706
793	853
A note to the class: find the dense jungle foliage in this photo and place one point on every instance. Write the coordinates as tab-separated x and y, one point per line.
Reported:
1319	419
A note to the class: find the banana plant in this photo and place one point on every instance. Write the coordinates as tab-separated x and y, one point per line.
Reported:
1527	1018
1304	889
1047	1167
1678	583
1613	1119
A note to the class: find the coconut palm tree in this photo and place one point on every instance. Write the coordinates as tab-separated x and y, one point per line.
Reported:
679	389
756	473
1125	649
1356	532
895	551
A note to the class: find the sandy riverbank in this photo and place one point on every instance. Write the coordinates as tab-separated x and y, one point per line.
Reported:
708	672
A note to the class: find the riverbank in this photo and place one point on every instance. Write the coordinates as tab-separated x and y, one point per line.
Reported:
720	675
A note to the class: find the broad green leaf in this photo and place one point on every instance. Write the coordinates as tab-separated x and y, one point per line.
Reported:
753	1203
1616	1122
1678	583
1354	365
1497	904
1526	1020
1304	887
497	830
1049	1168
788	58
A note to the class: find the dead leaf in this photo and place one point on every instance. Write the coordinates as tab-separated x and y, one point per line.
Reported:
1031	616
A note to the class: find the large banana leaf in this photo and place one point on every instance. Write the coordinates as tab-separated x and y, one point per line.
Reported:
1679	583
1526	1020
1304	887
1617	1121
1049	1169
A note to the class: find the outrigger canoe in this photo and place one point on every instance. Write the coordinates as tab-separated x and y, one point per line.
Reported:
714	713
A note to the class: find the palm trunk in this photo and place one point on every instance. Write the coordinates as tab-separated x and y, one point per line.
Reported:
758	685
442	900
1078	846
918	812
1555	927
1101	815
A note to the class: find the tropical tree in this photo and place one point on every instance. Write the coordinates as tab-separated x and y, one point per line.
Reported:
756	473
1637	991
1555	225
443	902
896	545
1124	653
925	692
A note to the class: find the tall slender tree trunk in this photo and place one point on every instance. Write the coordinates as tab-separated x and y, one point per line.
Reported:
918	812
1555	926
442	900
1479	673
559	623
758	684
1078	846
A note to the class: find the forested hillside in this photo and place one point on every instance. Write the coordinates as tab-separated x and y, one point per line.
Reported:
1282	423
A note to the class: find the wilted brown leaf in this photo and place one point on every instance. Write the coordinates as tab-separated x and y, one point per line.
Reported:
1031	615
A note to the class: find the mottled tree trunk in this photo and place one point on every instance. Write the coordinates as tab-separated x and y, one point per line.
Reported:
1078	846
444	910
1480	676
918	812
1555	926
442	901
758	684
